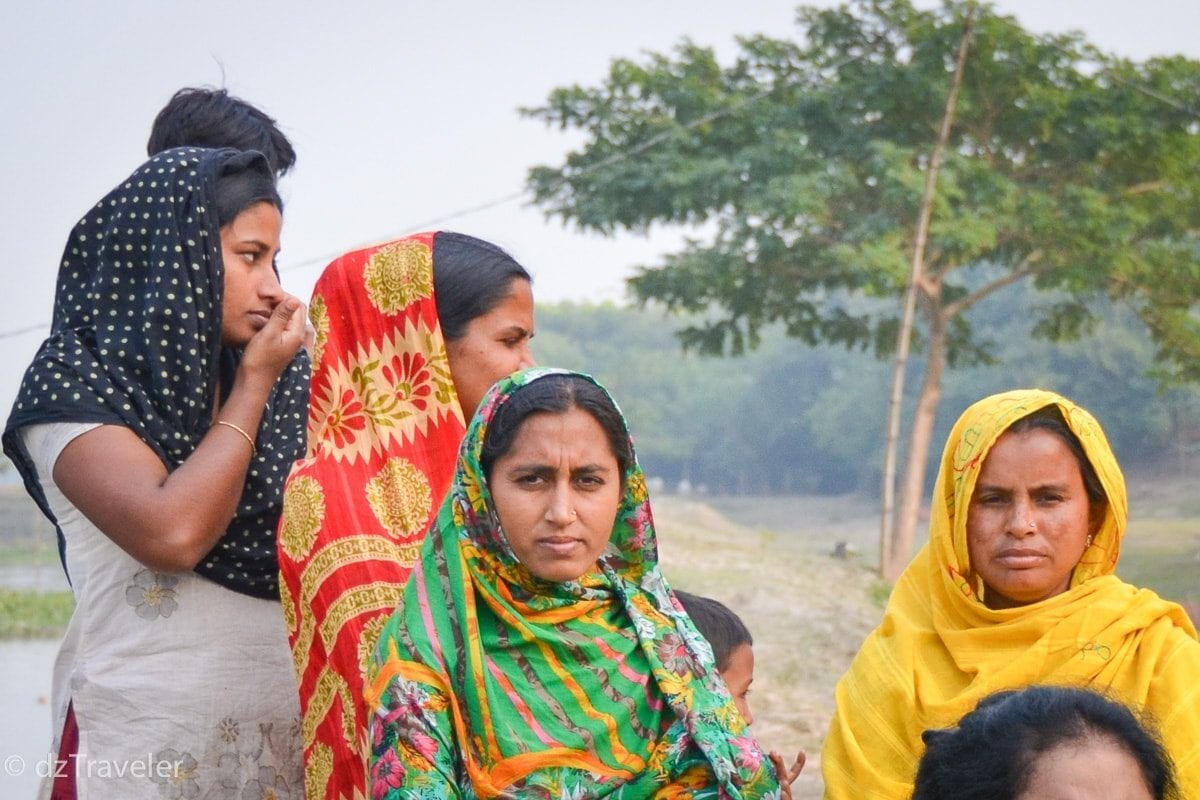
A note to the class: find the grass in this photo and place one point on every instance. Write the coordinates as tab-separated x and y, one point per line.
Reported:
33	615
28	554
1163	555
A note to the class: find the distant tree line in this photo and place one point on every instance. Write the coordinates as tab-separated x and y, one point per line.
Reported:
790	418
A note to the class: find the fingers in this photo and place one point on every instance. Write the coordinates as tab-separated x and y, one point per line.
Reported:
785	779
277	343
788	774
287	322
296	318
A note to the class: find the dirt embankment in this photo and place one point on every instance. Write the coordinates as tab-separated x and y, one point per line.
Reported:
808	613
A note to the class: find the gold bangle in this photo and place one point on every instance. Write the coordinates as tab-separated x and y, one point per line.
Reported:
246	436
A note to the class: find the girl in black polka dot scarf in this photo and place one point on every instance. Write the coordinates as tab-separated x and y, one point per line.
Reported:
172	333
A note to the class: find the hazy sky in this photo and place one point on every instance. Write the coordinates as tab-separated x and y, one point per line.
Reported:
402	114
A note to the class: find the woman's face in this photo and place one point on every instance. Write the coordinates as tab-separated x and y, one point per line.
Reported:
248	247
556	492
495	345
1028	521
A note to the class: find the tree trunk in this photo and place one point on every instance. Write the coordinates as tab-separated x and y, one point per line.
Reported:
888	548
920	436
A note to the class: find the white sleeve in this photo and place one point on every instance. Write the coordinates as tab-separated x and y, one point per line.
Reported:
46	441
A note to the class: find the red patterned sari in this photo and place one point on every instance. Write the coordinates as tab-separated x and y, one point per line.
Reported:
384	425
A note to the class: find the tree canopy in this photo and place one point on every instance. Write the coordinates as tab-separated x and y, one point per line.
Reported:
805	160
801	167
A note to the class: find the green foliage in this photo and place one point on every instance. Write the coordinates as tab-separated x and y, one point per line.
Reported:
805	161
792	419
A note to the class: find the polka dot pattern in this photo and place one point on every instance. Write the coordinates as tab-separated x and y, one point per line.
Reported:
136	342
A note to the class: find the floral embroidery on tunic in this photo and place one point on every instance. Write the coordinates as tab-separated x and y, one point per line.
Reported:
152	594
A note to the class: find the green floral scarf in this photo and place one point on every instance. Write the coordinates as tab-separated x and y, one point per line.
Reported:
490	682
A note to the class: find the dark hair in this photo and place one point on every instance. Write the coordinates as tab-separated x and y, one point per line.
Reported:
214	118
717	623
1050	418
991	754
470	278
556	394
245	179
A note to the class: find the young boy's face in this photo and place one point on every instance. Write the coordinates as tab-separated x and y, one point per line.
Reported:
738	675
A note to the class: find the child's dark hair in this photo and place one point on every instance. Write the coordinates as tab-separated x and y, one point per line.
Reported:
203	117
992	752
723	629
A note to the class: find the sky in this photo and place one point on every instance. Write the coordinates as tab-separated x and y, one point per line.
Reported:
404	115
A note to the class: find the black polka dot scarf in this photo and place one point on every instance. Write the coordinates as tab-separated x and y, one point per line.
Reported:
136	341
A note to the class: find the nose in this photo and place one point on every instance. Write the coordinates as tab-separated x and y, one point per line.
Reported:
527	359
270	289
560	510
1023	521
744	707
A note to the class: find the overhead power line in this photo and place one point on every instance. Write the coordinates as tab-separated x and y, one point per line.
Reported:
625	155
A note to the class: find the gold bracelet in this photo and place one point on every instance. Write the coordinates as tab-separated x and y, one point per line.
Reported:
246	436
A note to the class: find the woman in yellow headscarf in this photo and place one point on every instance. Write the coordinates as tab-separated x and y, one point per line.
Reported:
1016	586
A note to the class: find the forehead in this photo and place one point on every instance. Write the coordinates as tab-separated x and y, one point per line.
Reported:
1031	456
260	220
573	432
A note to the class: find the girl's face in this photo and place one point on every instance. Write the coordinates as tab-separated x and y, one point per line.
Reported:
1028	521
738	675
248	247
556	492
495	345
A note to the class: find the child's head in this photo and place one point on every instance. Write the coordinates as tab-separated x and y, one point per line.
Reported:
1025	743
731	644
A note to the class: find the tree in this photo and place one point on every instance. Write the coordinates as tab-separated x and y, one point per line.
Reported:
802	166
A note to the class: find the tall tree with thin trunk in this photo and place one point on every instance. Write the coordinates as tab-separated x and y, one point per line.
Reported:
801	166
889	565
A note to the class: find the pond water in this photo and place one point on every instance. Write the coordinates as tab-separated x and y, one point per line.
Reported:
26	666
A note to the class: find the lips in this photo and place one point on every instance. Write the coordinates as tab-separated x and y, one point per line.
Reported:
1021	558
560	545
260	317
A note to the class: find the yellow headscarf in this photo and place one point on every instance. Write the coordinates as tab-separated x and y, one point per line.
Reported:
940	649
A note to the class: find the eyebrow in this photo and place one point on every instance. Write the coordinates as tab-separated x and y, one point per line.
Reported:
1041	487
543	468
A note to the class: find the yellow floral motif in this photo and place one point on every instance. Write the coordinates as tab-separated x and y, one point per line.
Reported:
400	497
367	642
318	315
303	513
317	770
474	494
383	392
399	274
637	488
288	605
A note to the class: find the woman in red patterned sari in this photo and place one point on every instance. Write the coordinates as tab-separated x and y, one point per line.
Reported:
410	334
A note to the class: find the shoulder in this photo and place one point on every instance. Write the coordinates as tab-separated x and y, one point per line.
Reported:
45	441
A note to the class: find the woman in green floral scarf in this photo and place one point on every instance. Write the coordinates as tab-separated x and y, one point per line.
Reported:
539	651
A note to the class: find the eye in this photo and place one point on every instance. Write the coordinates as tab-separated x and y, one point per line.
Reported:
251	256
529	479
590	481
